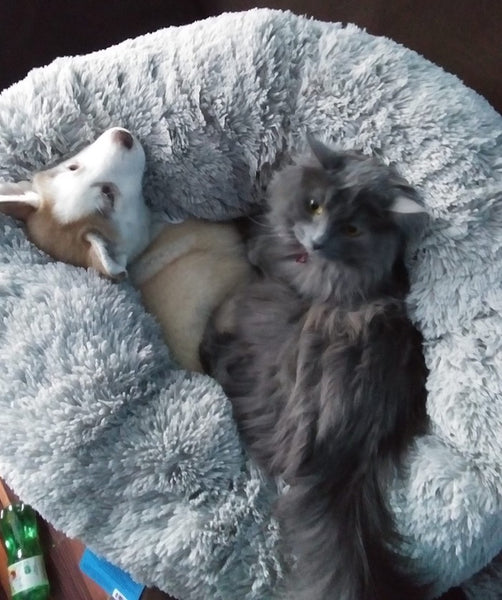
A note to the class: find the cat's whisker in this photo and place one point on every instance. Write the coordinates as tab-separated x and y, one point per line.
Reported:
260	223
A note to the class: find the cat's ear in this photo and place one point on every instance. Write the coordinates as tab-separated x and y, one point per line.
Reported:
408	210
328	158
404	205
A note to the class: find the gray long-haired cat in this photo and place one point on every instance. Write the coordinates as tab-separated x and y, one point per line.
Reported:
325	371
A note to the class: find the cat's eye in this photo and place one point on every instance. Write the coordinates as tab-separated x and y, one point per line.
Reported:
351	230
72	167
314	206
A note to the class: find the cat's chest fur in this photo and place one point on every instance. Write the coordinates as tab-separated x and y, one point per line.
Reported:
294	359
279	323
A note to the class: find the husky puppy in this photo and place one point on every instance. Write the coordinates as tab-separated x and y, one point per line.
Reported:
89	211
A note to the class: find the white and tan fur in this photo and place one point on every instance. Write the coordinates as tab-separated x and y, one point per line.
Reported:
89	211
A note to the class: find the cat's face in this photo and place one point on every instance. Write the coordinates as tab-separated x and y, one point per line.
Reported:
342	218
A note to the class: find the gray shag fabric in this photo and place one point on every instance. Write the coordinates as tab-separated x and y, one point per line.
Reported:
101	432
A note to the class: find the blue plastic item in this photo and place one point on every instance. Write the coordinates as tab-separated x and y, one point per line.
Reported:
116	583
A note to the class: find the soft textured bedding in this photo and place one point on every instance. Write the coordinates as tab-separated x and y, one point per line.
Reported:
100	430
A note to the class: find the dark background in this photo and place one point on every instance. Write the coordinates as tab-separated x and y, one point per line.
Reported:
463	36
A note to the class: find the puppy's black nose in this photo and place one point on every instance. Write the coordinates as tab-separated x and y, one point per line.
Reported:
123	137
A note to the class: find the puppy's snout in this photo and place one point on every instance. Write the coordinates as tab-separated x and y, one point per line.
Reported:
124	138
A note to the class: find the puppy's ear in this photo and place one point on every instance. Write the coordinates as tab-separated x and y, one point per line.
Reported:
103	258
18	200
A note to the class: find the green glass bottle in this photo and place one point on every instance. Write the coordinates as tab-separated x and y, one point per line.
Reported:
19	531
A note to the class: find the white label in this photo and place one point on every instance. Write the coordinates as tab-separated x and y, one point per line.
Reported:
118	596
27	574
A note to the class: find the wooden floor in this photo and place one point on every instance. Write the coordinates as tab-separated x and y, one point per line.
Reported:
62	556
67	582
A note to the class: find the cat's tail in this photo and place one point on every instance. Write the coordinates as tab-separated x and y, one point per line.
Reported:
344	538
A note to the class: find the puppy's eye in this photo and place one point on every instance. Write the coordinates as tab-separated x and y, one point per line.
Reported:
314	207
72	167
108	192
351	230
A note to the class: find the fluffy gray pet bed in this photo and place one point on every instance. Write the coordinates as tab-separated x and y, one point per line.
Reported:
101	432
